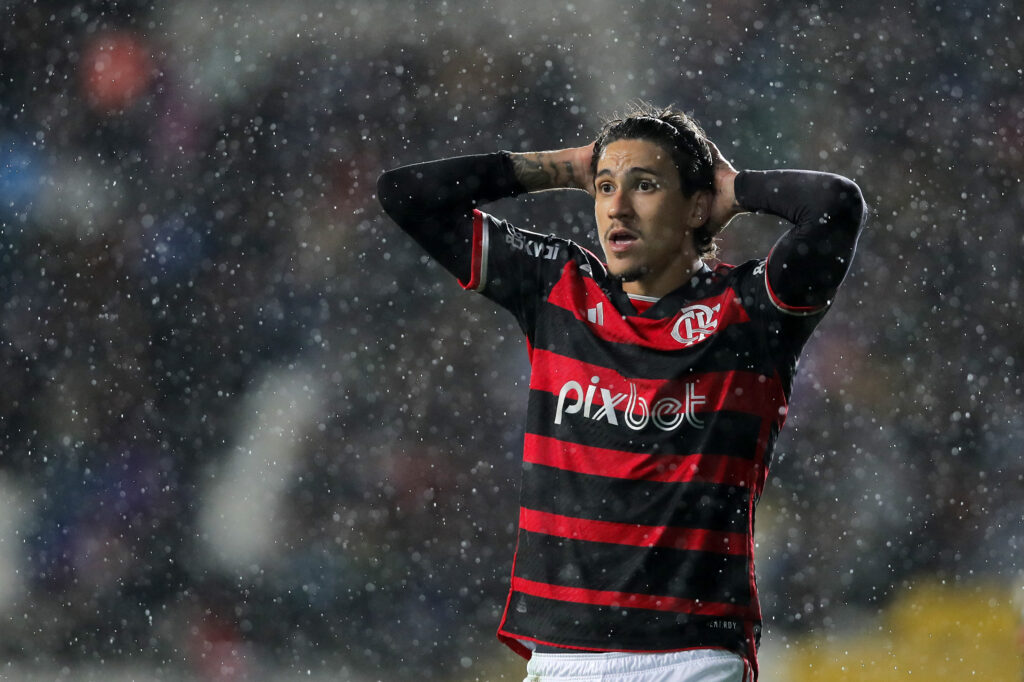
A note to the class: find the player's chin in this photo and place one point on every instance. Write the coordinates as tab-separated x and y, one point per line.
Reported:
627	274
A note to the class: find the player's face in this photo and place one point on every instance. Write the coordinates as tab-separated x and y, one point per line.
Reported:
644	222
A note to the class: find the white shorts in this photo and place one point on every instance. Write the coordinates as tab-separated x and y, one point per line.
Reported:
703	665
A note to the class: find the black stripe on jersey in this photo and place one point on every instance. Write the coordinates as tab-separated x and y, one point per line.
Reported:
727	350
616	628
661	571
649	503
733	434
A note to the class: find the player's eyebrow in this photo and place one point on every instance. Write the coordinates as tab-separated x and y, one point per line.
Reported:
634	169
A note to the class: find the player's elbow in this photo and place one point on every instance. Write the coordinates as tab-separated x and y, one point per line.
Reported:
846	201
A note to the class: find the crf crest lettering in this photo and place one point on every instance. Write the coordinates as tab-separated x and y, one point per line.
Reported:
696	323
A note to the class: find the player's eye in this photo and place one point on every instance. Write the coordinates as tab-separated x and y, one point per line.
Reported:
606	188
645	185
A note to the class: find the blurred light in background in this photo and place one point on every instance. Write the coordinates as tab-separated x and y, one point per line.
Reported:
116	70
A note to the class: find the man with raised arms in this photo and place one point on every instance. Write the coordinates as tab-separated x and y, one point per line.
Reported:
660	379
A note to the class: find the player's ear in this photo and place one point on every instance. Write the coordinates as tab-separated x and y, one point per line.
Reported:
700	208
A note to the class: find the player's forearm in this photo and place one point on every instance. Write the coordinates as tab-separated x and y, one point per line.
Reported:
556	169
447	187
433	202
804	198
809	261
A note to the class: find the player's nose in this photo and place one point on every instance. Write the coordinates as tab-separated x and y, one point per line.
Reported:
619	205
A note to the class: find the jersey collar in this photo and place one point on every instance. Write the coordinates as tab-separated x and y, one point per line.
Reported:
670	303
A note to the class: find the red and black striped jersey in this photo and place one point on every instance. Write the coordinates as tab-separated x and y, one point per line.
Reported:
647	446
650	429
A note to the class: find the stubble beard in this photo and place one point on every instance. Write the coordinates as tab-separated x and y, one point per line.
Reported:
631	275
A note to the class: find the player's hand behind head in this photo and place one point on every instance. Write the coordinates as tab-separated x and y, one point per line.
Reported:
584	169
724	206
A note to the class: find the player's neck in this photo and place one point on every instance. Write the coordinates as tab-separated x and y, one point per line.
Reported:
664	282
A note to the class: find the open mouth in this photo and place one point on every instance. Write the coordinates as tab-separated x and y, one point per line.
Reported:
620	239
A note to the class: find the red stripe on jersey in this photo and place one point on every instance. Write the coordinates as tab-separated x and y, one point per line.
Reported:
582	294
476	266
629	600
668	468
738	391
632	534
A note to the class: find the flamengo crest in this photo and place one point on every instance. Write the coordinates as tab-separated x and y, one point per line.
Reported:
695	323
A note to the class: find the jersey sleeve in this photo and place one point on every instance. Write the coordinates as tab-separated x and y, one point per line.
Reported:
784	330
808	262
433	202
436	204
517	268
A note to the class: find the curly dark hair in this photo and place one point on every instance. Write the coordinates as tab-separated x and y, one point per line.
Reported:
681	136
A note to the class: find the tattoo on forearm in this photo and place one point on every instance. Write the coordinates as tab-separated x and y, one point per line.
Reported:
570	174
529	171
537	171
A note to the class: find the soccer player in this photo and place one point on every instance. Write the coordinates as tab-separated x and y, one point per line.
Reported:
658	384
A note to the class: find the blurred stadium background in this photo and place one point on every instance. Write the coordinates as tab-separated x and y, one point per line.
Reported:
248	432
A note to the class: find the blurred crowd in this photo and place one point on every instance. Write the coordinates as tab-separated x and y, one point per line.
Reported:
246	424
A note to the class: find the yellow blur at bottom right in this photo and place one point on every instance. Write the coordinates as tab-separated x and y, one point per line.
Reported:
930	632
